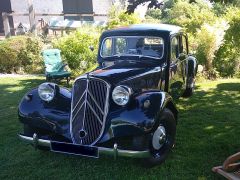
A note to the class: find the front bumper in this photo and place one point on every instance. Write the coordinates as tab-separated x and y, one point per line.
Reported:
115	152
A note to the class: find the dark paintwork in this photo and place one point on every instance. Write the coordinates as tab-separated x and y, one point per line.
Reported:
150	80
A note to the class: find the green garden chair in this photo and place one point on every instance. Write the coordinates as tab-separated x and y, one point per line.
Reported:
54	66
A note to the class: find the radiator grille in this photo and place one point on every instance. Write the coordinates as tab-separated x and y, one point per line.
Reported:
89	110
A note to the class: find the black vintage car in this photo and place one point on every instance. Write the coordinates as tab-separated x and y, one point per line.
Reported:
124	107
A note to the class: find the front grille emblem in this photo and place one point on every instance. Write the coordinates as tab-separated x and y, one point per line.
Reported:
82	133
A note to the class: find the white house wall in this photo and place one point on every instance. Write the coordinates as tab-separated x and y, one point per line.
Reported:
40	6
54	6
101	7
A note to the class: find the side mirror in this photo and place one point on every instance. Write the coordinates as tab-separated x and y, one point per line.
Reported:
192	54
182	56
91	48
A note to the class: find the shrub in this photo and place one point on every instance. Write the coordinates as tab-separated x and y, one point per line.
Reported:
21	54
227	58
209	39
75	49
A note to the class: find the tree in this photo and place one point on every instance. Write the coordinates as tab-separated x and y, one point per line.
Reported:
190	16
227	2
223	1
118	17
227	58
153	13
152	4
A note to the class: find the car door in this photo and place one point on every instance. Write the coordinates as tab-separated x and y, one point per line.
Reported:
183	44
176	69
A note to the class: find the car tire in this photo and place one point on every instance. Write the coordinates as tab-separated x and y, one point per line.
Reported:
158	156
189	90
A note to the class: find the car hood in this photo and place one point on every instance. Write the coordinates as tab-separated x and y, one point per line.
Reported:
116	75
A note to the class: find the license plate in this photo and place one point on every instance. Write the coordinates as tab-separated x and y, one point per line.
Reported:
75	149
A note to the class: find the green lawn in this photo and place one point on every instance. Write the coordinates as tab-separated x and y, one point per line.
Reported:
208	131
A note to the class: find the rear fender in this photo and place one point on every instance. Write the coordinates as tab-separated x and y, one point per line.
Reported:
191	67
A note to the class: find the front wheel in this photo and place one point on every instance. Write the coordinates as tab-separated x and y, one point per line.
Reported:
162	139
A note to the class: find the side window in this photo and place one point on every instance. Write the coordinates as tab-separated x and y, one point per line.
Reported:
107	48
175	50
184	48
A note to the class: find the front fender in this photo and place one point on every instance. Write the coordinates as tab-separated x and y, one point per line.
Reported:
51	118
139	117
191	66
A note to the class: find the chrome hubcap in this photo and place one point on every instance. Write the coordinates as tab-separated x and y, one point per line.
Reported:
159	138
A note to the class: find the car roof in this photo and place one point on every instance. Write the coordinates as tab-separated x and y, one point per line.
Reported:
167	28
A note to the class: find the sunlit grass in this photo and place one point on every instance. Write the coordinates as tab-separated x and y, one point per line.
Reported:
207	132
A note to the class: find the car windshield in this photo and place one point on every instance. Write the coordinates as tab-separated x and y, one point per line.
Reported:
142	46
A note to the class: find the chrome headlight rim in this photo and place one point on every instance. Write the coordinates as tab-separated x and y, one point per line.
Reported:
120	91
47	91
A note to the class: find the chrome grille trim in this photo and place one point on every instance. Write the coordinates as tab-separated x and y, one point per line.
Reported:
97	112
98	118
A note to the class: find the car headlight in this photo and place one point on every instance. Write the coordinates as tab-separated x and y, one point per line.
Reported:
121	95
46	91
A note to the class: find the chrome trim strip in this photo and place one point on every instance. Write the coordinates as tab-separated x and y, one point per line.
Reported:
105	110
102	150
78	101
78	111
98	118
154	70
85	104
30	140
96	102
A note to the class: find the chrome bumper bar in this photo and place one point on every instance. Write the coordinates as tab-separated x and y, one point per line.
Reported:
102	150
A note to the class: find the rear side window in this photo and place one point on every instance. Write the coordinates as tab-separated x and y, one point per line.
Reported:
174	48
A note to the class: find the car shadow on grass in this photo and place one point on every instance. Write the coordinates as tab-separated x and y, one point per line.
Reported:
209	127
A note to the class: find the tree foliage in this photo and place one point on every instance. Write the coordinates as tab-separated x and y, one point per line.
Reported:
227	58
224	1
154	13
213	31
190	16
156	4
118	17
209	38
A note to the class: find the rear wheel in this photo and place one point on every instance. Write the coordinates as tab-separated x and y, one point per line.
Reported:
162	139
189	87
